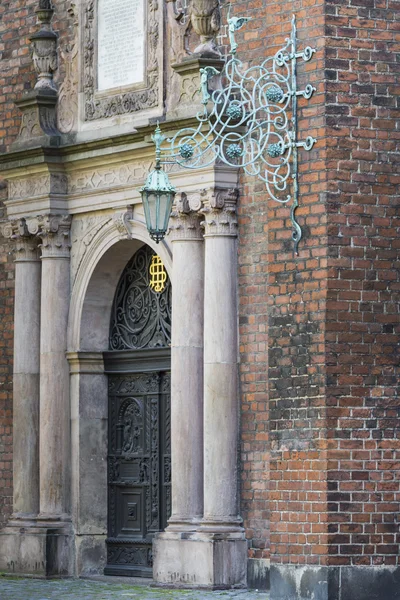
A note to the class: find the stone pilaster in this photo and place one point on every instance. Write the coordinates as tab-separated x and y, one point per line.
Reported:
26	371
54	233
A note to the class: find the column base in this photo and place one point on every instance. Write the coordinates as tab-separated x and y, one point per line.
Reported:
291	582
200	560
36	550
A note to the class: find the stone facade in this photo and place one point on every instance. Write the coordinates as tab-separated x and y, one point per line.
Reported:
316	373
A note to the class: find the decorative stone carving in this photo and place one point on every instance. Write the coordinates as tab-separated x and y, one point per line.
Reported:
121	222
205	18
67	110
38	124
54	231
44	47
26	244
186	218
107	177
219	210
37	185
108	105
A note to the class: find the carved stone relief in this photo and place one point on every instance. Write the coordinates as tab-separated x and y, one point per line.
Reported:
67	110
107	177
37	185
101	106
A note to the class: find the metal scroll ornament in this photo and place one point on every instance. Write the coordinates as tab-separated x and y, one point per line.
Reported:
141	315
250	121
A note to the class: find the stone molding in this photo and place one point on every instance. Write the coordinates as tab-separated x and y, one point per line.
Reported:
26	244
220	212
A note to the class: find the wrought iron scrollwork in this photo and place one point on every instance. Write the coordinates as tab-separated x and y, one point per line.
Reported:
250	120
141	316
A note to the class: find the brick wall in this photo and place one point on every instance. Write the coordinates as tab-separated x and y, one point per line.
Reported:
363	326
253	322
282	324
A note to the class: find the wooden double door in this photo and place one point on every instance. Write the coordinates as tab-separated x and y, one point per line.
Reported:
139	457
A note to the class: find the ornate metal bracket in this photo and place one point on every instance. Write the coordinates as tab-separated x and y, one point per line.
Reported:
252	121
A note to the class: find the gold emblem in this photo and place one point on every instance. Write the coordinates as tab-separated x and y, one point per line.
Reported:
158	274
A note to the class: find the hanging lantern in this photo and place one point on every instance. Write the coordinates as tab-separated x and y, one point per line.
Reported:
157	195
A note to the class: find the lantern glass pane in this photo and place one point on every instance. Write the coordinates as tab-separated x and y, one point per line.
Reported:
165	209
152	200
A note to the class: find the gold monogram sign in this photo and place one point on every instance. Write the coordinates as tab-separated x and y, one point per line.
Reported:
158	274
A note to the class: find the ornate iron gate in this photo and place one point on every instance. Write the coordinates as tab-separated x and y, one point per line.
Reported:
139	455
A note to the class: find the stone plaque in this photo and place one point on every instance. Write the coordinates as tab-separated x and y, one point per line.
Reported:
121	43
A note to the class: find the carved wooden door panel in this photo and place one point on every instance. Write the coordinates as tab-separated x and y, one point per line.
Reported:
139	469
139	443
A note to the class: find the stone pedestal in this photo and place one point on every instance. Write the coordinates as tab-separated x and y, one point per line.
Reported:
28	548
186	98
197	560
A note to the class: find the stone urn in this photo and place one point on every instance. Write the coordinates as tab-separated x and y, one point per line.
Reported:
206	22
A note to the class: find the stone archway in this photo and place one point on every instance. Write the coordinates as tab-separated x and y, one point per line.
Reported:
88	333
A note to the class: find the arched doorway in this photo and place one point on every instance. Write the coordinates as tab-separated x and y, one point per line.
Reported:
139	423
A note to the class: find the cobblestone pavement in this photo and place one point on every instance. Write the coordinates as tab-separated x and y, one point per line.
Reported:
78	589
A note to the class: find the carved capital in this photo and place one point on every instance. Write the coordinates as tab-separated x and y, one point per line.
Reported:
26	244
185	223
220	215
54	232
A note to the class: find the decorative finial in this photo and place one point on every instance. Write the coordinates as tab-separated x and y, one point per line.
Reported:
205	18
44	47
158	139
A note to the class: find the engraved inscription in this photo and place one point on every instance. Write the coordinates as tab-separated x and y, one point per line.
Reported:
121	43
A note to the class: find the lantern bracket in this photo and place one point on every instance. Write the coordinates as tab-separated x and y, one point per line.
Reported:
250	122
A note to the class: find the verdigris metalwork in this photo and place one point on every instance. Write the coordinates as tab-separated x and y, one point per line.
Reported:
252	121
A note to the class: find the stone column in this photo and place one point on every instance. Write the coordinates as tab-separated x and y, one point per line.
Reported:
186	390
26	371
187	367
54	370
213	555
221	398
